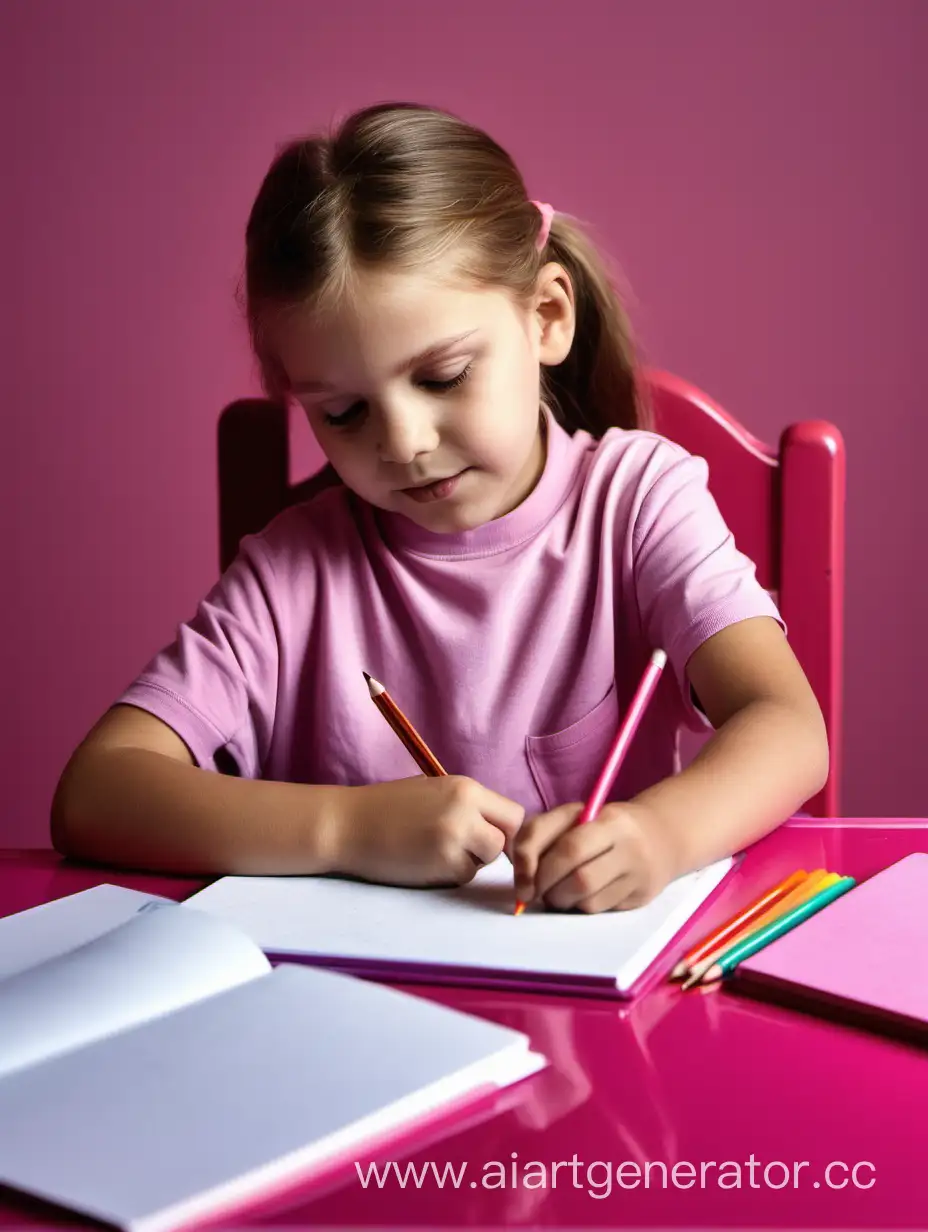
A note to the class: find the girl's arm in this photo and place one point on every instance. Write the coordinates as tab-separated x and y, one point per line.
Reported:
767	756
132	795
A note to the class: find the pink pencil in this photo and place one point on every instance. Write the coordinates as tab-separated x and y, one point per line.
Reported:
624	736
623	739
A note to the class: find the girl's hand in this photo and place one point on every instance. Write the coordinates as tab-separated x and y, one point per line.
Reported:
422	831
622	859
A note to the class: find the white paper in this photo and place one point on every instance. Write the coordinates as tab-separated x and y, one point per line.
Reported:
218	1101
471	926
33	936
162	958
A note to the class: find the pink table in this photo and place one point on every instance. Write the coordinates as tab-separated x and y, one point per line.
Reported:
694	1080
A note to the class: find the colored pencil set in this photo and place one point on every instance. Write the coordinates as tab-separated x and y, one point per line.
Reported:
774	913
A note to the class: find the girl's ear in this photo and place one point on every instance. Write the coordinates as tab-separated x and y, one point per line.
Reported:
554	314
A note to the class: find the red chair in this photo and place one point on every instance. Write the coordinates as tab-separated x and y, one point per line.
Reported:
785	507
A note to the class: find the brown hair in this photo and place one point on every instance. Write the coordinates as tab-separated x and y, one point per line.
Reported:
403	184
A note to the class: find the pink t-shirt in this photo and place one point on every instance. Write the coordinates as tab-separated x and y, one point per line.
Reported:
513	648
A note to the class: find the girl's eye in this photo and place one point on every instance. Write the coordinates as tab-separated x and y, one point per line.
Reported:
442	387
357	409
346	417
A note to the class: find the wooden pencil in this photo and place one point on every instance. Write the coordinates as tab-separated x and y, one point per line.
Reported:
737	922
818	880
784	924
423	756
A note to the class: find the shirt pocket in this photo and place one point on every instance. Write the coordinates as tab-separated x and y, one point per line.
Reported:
565	764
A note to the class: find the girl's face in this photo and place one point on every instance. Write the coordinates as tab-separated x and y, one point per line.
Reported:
423	392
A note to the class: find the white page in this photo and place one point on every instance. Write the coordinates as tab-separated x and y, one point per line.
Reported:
39	933
163	958
470	926
171	1120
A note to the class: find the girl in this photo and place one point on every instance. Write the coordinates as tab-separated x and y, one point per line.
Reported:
507	544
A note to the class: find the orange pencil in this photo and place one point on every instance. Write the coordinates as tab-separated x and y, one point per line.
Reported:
737	922
818	880
425	759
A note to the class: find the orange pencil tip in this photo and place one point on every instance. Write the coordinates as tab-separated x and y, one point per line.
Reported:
520	907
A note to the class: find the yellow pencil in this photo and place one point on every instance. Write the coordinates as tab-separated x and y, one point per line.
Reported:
817	880
757	940
735	926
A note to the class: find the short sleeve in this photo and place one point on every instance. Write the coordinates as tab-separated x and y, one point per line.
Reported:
691	579
215	685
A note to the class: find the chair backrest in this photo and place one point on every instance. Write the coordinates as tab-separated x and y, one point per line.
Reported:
785	508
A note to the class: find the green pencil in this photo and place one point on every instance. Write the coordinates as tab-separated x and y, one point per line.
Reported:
776	928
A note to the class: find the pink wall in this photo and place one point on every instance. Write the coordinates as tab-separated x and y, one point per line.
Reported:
754	166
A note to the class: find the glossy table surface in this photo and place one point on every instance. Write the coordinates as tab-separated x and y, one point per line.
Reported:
677	1109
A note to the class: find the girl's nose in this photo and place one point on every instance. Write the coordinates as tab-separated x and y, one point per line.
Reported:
406	432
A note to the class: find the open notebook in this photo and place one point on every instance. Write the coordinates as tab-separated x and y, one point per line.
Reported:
466	934
154	1068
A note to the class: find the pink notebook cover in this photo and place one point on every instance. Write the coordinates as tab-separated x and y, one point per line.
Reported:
862	957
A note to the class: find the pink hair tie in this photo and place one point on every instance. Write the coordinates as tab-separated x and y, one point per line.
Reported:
547	213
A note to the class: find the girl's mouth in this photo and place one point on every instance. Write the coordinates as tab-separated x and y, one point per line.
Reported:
439	489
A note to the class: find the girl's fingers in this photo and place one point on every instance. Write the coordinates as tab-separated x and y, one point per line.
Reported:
565	884
620	894
531	843
485	843
569	855
499	810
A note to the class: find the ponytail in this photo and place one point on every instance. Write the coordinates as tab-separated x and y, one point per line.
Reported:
597	387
